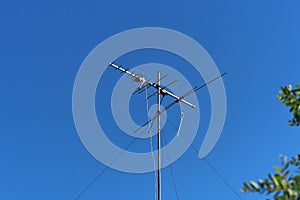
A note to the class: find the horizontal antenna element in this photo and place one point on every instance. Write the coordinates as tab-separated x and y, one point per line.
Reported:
143	81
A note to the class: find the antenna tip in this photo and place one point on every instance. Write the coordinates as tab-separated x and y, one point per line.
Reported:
225	73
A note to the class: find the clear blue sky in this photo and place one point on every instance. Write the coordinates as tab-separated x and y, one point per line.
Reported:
43	45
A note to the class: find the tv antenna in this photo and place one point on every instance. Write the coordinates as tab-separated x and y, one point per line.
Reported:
161	91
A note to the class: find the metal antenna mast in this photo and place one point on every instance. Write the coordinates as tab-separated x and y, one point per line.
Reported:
160	91
144	84
158	137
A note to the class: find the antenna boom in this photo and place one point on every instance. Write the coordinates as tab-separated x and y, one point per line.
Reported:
155	85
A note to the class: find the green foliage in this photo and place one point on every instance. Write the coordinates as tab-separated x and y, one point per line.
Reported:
291	98
284	184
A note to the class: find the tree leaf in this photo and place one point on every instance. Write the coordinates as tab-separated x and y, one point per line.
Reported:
278	169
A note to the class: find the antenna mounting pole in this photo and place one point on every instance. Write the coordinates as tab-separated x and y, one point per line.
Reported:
158	137
164	92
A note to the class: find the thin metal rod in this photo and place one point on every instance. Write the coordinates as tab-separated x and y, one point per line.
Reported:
158	138
155	85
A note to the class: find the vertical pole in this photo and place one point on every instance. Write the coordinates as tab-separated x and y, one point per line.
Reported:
158	137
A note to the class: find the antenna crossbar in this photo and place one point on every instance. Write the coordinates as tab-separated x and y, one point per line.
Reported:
143	81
